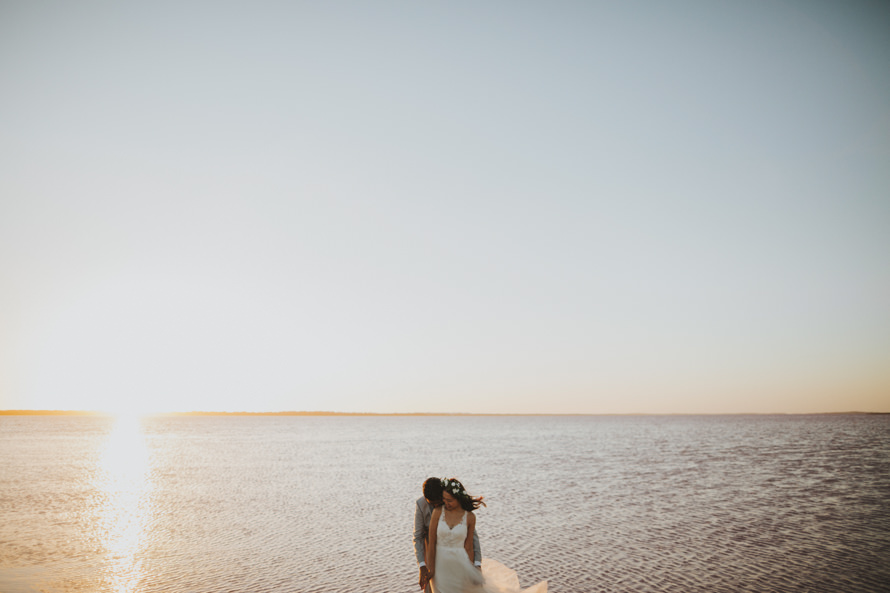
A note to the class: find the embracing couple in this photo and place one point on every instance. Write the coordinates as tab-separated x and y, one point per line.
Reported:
447	547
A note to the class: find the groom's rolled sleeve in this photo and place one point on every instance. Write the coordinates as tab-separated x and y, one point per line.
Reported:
419	540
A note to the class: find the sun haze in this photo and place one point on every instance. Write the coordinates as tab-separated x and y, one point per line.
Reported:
421	207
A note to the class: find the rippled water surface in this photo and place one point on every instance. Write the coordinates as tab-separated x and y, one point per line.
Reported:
325	504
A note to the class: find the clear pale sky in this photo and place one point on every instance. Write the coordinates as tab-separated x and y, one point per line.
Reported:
417	206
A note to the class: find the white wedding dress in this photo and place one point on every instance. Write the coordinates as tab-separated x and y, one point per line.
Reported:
455	573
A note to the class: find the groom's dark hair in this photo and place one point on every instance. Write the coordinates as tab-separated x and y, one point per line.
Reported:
432	489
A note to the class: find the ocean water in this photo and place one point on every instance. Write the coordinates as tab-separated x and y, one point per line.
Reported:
325	504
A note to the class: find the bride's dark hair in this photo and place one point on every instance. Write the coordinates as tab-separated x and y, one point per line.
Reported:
468	503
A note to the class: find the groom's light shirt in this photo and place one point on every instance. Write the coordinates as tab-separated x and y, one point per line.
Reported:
422	513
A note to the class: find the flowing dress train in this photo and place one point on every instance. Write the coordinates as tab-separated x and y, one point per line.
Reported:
455	573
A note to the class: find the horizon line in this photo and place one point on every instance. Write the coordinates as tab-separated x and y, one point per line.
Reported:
332	413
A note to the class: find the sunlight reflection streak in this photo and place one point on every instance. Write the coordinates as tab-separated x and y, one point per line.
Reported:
123	478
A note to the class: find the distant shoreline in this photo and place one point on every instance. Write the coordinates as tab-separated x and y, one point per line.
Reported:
294	413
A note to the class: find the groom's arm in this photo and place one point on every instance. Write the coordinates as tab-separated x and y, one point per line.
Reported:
419	542
477	551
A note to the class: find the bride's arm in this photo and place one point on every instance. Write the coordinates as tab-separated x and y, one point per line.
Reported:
431	545
468	543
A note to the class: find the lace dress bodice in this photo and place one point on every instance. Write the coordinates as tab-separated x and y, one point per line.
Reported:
451	538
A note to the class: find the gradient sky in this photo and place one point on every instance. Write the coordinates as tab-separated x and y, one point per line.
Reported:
415	206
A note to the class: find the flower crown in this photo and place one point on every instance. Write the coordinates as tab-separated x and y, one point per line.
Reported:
453	487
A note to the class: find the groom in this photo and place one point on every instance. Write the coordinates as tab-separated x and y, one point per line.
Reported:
432	497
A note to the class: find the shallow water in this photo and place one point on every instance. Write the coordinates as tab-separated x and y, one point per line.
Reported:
325	504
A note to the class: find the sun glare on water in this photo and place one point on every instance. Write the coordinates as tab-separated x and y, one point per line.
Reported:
123	479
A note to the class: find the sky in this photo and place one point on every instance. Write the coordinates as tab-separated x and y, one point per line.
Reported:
419	206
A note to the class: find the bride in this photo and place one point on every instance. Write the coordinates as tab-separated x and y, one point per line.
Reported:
449	554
